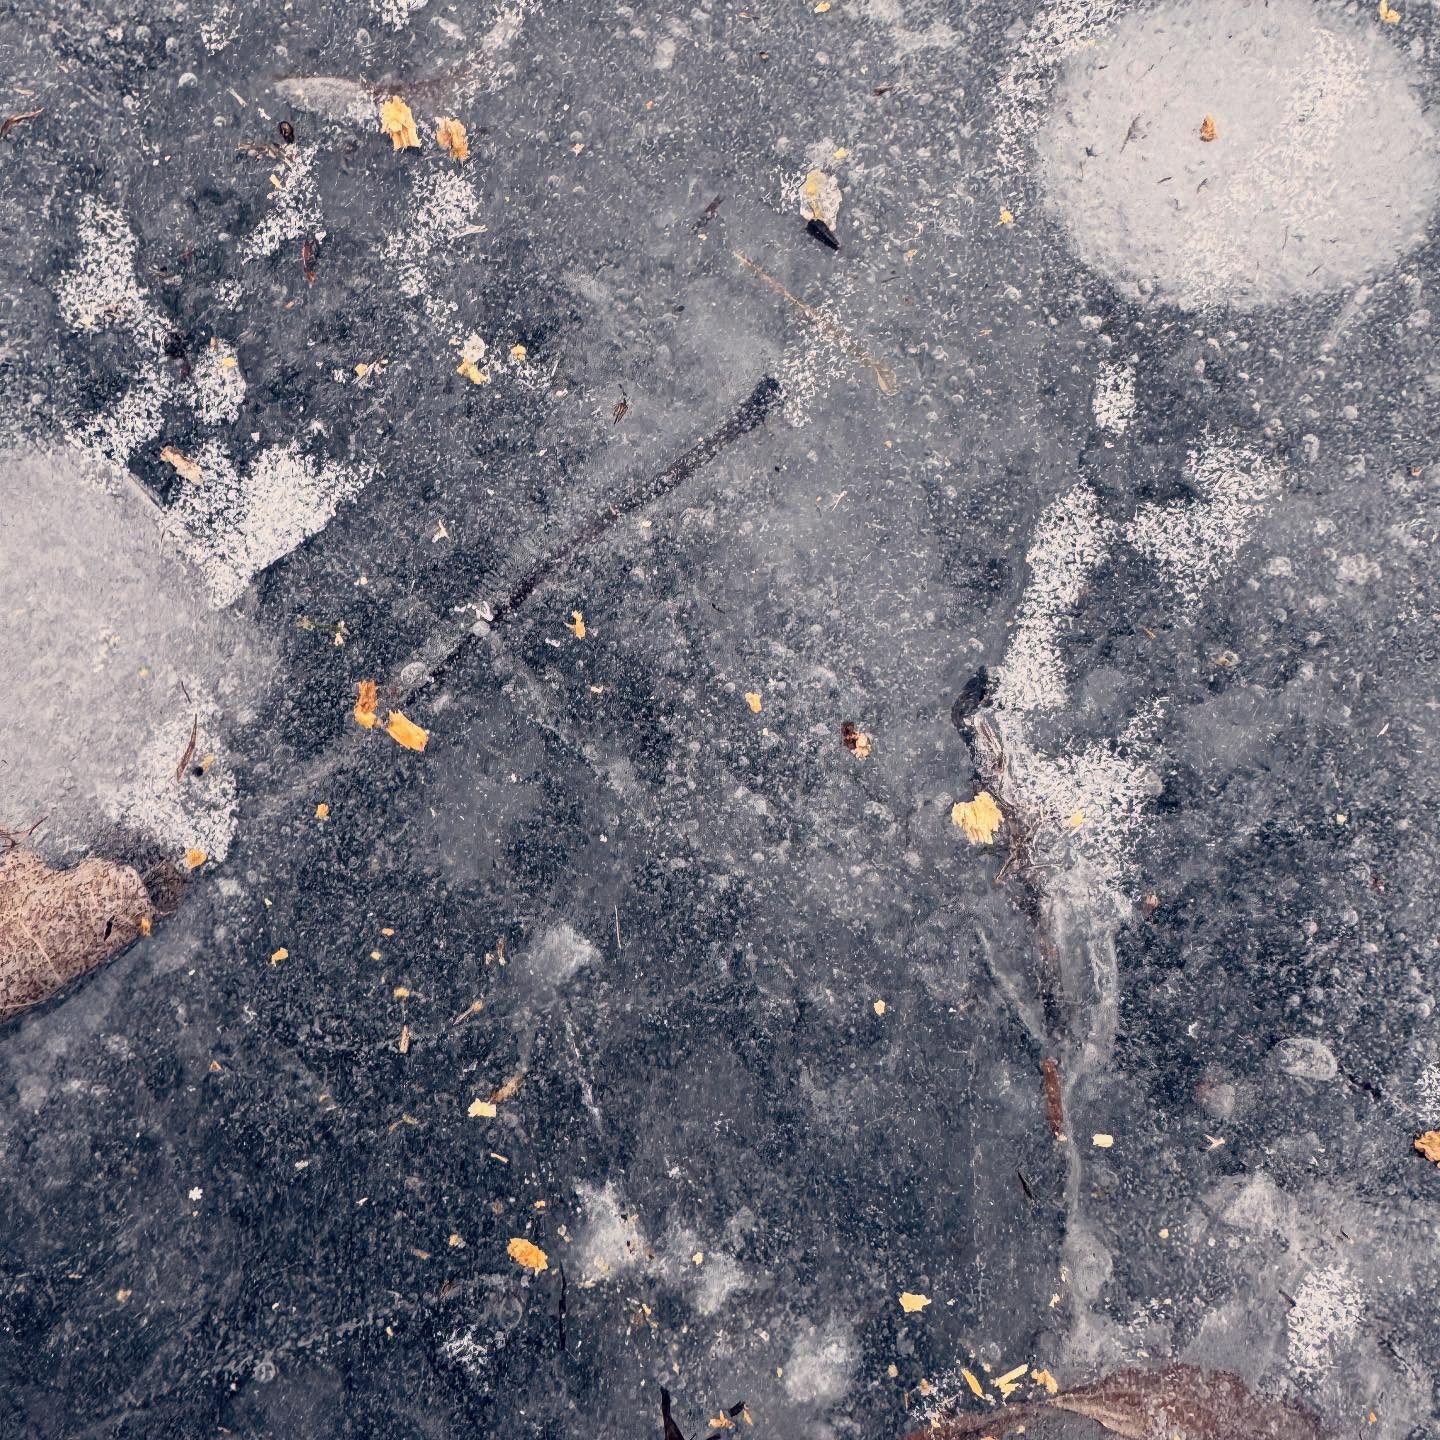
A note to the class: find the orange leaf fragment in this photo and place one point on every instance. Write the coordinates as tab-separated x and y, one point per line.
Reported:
1207	129
1429	1145
405	732
398	123
528	1254
451	138
194	859
367	696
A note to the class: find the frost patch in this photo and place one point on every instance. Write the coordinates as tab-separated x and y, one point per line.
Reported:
445	205
1230	154
1327	1311
233	526
1072	540
294	205
820	1363
1194	542
1113	403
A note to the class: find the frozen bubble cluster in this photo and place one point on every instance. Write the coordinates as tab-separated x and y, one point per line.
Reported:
1322	169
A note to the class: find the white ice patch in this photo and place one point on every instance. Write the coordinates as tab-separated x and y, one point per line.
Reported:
294	204
111	655
185	810
821	1362
219	387
445	205
1113	403
1323	170
233	526
397	13
1327	1311
1194	542
1072	540
100	291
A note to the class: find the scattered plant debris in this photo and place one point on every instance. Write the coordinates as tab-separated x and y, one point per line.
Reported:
1176	1402
11	121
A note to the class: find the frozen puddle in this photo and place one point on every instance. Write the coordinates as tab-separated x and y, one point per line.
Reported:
111	656
1322	169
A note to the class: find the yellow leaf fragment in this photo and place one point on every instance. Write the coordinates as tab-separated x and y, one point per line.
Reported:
528	1254
820	198
976	1388
456	1243
1207	129
753	700
123	1295
367	695
405	732
401	992
1388	14
472	372
1045	1378
398	123
1102	1142
1075	819
194	859
1008	1383
146	925
481	1110
910	1302
281	954
451	138
1006	217
182	465
518	354
722	1421
879	1007
1429	1145
322	811
577	625
979	818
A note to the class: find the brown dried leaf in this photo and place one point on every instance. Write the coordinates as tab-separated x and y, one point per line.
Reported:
1181	1402
1176	1402
1054	1097
1428	1145
399	124
450	137
57	924
1207	129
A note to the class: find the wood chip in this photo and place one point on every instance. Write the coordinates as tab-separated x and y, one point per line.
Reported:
405	732
527	1253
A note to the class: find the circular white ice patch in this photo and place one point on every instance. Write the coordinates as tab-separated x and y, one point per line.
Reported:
1322	169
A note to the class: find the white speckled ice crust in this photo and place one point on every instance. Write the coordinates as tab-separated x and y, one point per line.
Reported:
235	525
112	656
1323	170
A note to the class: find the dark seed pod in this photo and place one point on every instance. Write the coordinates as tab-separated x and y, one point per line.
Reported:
287	132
